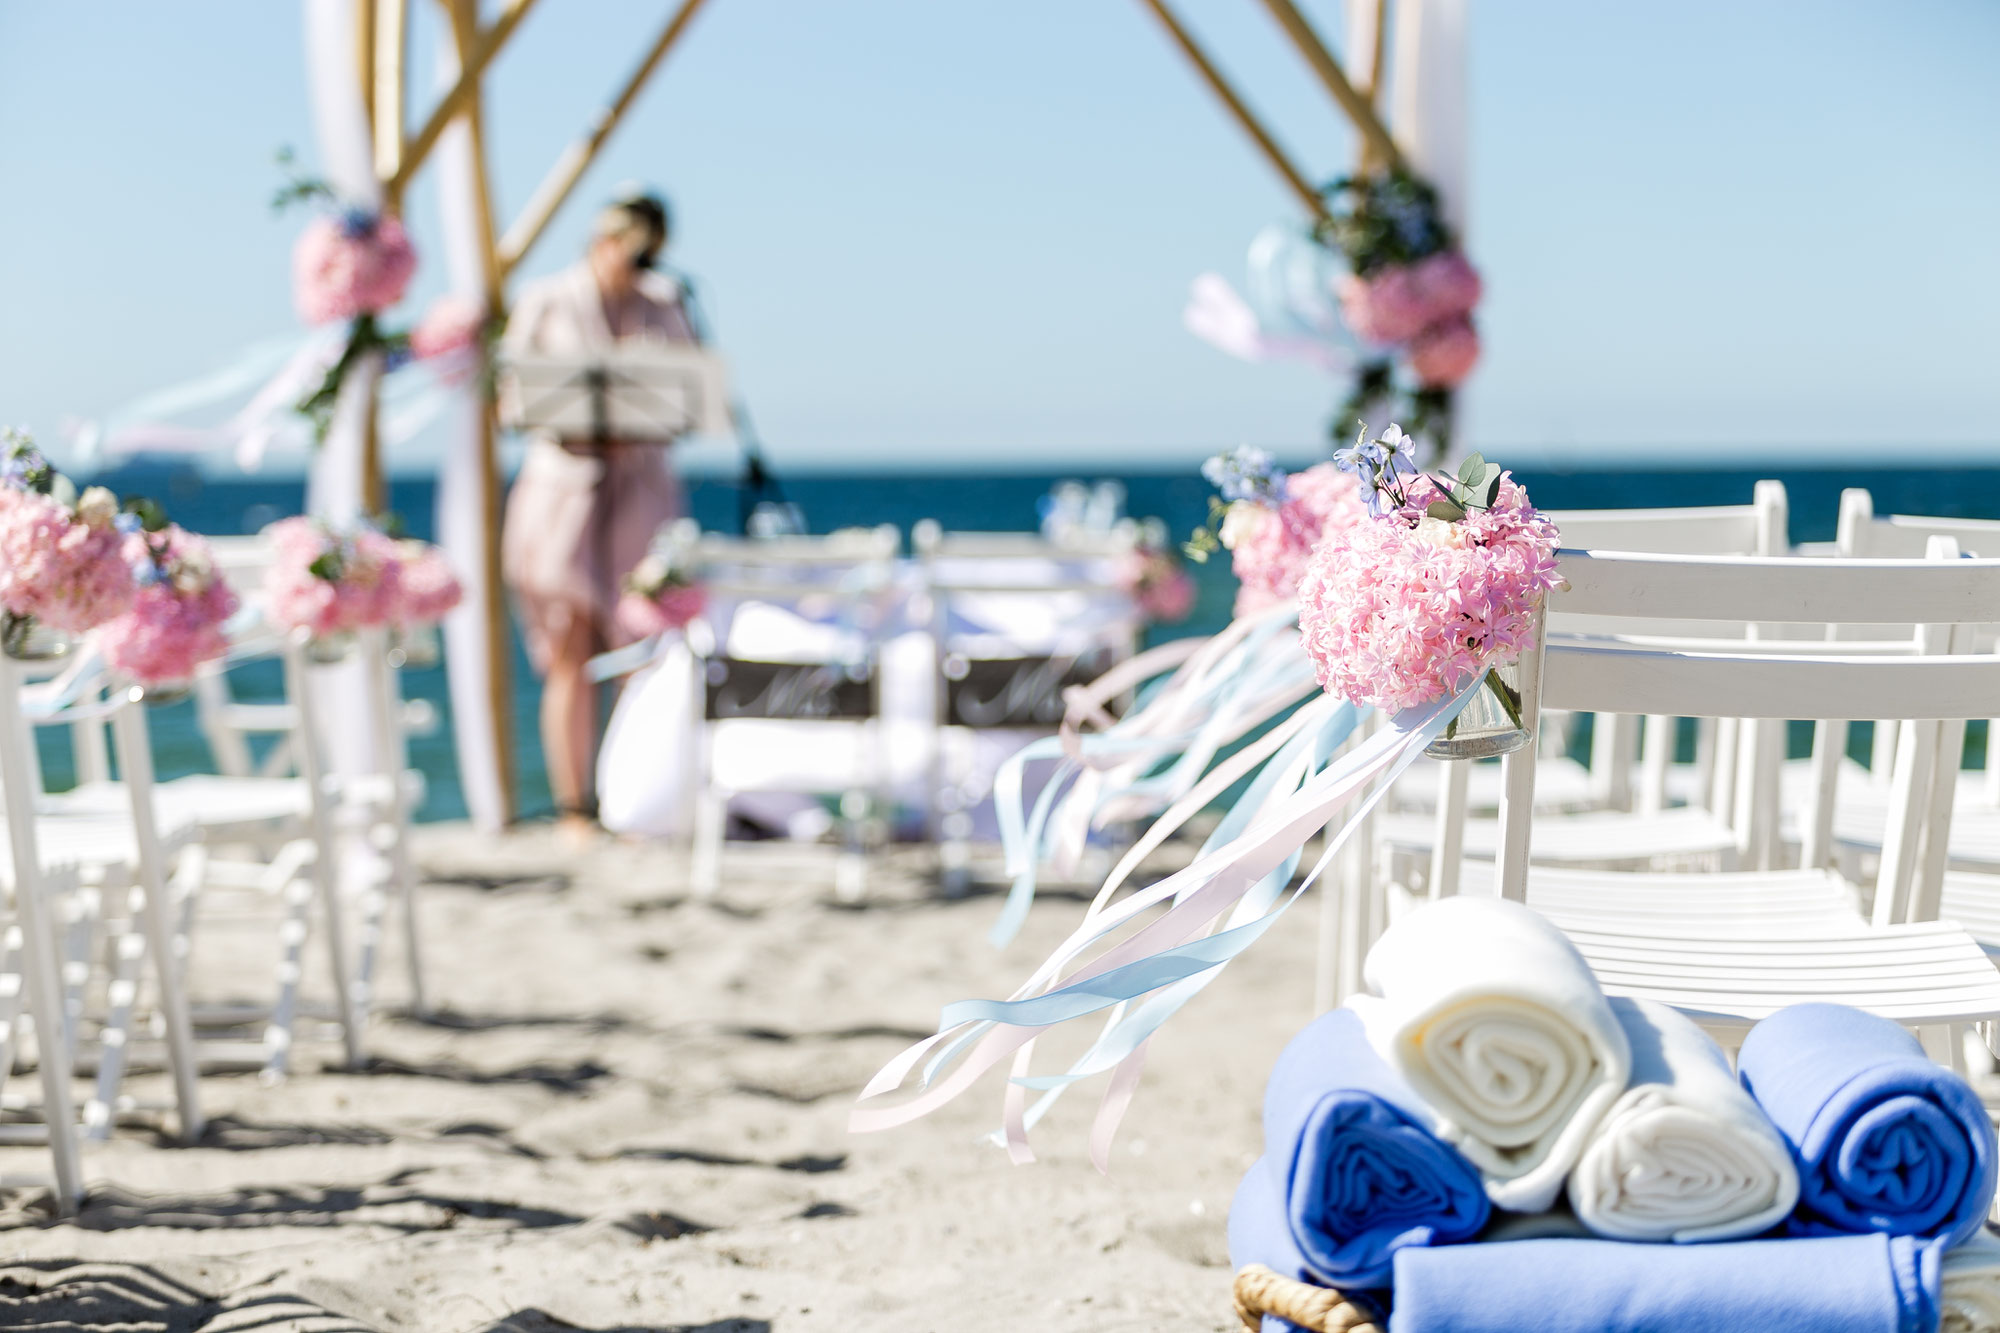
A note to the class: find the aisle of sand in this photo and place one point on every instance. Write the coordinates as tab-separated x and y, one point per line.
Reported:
630	1113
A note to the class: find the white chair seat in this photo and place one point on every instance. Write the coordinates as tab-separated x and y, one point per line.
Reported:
202	803
1973	900
1918	975
1594	838
88	842
1746	903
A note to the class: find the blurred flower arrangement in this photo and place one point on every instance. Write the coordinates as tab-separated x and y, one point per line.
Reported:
659	595
1269	521
427	588
1410	292
63	559
350	263
1152	575
454	337
176	619
1437	583
330	583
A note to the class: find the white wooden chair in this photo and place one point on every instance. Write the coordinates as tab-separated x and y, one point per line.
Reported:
1727	973
999	670
1599	818
848	576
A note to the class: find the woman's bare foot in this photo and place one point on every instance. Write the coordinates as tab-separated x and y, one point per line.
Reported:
577	830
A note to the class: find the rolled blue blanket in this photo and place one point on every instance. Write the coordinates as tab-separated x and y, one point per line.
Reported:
1351	1172
1885	1138
1833	1284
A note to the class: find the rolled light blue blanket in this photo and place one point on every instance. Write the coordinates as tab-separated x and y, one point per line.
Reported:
1885	1138
1351	1172
1832	1284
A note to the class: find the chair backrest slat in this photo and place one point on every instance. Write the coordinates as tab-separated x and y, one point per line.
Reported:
1778	590
1759	684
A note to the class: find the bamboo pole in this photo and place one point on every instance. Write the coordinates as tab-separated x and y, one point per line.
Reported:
576	159
1245	118
1320	59
1367	40
368	41
500	694
364	54
474	57
392	41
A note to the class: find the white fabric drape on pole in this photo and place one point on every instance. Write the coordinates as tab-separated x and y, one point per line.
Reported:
461	509
1428	110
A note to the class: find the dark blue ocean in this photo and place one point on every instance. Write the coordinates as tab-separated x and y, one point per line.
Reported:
987	503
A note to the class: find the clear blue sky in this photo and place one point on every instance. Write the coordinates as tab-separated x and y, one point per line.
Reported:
962	232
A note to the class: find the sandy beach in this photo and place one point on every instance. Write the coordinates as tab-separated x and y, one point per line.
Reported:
628	1111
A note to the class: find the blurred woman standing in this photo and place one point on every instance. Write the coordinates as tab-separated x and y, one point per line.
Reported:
581	514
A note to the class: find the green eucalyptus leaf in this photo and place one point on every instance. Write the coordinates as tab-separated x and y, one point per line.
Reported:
1471	470
1491	488
63	491
1445	510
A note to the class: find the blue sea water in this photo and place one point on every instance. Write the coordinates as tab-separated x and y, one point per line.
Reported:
963	501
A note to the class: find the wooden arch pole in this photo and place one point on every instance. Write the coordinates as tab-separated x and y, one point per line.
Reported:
1237	108
470	43
1334	79
576	159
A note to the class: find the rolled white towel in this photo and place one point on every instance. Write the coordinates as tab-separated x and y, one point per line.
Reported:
1970	1298
1496	1021
1684	1154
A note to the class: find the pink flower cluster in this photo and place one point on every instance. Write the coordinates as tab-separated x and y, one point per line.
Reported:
450	330
1270	549
1404	609
66	571
327	583
1426	307
426	588
1158	585
176	620
673	607
351	264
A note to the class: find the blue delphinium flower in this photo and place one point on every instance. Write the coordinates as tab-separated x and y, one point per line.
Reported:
1246	473
356	223
127	523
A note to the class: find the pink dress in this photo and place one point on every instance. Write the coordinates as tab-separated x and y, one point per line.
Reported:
579	518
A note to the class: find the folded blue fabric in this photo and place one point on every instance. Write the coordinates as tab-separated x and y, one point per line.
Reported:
1351	1173
1833	1284
1885	1138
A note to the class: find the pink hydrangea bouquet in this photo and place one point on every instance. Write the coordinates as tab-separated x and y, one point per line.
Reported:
351	263
426	588
176	619
63	559
1438	583
659	595
1156	581
1411	289
1269	521
449	337
331	583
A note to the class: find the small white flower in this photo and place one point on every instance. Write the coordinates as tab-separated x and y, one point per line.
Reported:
98	508
650	573
1437	532
1241	520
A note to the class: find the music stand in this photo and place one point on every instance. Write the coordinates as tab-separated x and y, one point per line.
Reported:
633	394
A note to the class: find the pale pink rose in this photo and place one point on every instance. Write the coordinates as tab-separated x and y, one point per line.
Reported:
176	620
1387	307
1158	585
1444	354
67	574
349	265
449	332
1275	545
1447	284
673	607
1393	616
426	588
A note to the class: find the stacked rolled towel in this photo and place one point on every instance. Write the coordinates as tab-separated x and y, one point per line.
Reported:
1970	1296
1684	1154
1885	1140
1836	1284
1351	1173
1496	1021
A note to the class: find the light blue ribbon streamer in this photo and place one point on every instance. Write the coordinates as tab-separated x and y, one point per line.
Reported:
1178	972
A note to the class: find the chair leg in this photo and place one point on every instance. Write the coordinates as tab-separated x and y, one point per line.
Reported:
292	933
328	880
711	814
404	872
850	869
46	1006
127	950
